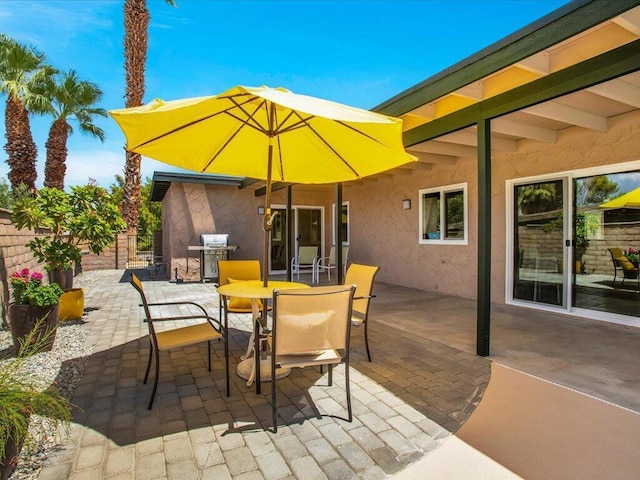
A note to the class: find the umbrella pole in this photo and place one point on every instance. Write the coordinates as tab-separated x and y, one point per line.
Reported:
267	220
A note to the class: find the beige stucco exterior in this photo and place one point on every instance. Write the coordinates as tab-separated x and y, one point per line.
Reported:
381	231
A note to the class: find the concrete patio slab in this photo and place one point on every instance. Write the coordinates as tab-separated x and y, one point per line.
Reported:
422	385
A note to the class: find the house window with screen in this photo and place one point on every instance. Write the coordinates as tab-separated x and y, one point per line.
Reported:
443	215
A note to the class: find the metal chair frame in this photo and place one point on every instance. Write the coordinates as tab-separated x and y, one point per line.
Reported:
193	330
302	362
363	295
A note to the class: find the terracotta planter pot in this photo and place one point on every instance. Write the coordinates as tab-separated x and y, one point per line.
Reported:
23	319
71	304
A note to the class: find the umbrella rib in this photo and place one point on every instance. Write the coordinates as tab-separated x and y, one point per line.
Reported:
194	122
250	116
328	145
243	123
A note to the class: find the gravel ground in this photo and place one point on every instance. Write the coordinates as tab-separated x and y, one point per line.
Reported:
65	364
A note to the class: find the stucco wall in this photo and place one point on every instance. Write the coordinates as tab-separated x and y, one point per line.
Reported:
191	209
387	235
381	232
576	148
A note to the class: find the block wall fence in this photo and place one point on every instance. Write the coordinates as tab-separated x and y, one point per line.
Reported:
15	255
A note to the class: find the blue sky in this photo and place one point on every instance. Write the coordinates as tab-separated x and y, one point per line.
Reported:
355	52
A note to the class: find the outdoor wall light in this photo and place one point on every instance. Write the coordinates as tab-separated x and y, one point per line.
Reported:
406	204
260	210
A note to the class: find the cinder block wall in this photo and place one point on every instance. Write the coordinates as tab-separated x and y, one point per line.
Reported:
114	256
14	256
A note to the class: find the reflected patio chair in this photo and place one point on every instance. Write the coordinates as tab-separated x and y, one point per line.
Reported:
231	271
327	264
623	265
305	261
311	328
362	276
205	331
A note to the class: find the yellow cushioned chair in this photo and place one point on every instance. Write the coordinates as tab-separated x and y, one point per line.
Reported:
209	329
311	328
230	271
622	264
362	276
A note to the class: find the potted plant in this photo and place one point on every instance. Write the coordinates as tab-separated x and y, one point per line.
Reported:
34	311
87	216
632	255
22	396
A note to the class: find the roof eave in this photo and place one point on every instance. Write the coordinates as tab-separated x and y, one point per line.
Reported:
557	26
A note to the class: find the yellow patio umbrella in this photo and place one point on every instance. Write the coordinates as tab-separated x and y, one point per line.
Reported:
265	133
628	200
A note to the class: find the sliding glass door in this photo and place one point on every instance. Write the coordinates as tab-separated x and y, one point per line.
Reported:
607	241
539	242
575	243
308	227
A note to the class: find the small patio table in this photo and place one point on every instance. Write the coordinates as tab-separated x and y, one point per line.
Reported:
255	290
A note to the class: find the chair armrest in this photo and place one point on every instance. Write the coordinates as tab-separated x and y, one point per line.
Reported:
179	303
215	323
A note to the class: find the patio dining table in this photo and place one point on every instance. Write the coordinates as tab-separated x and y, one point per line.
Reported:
255	290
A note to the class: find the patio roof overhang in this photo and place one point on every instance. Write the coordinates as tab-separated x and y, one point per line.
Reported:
161	181
577	66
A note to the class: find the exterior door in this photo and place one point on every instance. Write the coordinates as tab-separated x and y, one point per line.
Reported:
278	250
540	248
607	245
308	227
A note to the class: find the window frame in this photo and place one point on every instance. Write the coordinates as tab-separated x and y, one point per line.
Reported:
442	191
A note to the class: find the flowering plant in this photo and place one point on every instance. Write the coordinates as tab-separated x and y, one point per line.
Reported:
632	255
28	289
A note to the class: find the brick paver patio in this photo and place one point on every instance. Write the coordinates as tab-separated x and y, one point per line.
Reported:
412	396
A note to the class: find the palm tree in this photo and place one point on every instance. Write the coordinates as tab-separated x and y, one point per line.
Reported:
136	22
21	69
70	97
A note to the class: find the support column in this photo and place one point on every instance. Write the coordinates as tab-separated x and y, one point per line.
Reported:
338	229
484	238
289	246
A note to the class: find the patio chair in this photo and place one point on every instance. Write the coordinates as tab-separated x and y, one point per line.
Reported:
231	271
311	328
209	329
362	276
327	264
624	265
305	261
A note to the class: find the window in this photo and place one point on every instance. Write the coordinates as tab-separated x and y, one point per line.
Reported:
443	214
345	223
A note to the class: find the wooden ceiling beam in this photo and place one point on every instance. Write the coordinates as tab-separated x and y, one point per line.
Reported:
562	113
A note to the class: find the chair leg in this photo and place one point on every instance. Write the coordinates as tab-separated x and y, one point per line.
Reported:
366	338
348	390
209	353
146	374
226	356
155	381
330	374
274	411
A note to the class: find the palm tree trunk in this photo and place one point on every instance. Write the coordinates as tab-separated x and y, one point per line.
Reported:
136	22
20	147
55	166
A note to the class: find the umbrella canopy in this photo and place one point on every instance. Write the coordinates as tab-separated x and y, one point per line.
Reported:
266	133
628	200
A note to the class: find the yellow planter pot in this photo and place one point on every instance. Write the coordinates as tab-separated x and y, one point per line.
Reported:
71	304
